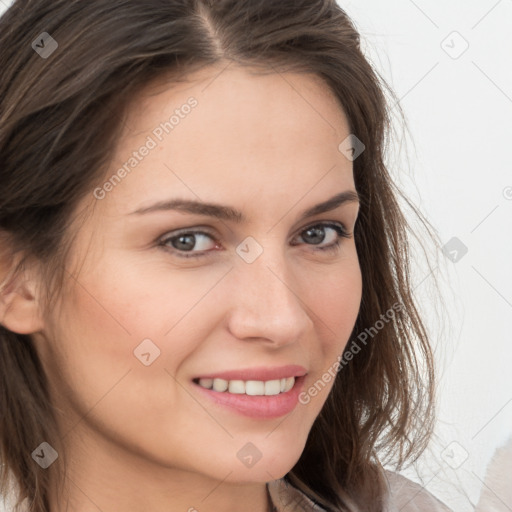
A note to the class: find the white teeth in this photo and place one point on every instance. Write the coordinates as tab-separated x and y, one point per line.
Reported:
250	387
206	383
254	387
290	381
237	386
219	384
272	387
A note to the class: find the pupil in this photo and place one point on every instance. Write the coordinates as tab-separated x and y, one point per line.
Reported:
186	241
318	235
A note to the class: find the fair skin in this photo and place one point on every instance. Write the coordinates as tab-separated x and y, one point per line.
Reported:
142	437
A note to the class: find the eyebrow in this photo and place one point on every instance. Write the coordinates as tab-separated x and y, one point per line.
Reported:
228	213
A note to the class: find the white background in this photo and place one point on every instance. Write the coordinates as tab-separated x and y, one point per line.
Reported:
455	167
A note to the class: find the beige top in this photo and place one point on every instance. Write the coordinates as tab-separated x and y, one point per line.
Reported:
404	496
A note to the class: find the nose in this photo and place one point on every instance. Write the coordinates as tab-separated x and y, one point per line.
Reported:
267	302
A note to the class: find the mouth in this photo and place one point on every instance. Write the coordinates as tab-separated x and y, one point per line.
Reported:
256	399
249	387
261	381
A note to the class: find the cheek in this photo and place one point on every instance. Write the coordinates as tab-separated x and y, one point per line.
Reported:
335	300
102	323
103	326
134	303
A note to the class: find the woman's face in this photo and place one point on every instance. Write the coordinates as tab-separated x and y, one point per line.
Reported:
158	297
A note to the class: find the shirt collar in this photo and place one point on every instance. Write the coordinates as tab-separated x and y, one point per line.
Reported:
286	498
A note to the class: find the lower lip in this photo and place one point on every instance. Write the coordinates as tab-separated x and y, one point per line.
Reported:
272	406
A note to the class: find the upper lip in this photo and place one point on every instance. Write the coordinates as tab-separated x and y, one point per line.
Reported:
261	373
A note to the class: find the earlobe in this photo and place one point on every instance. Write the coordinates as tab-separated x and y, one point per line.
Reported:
20	311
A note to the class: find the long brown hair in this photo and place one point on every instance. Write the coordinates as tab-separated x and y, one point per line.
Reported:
60	116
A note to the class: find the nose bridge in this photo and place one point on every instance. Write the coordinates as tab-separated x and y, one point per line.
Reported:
265	304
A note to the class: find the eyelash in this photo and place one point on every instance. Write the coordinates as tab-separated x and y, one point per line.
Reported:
338	227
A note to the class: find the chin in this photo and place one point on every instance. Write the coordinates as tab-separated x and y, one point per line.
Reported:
266	469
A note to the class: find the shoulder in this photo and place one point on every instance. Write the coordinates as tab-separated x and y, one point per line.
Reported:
404	495
408	496
287	498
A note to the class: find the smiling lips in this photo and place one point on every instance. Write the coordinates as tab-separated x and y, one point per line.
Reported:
258	399
262	381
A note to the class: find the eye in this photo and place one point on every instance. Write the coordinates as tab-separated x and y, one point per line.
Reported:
318	233
187	240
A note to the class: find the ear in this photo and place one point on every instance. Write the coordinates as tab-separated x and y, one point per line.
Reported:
19	306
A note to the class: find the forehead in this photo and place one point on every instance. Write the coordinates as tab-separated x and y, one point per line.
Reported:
230	87
227	130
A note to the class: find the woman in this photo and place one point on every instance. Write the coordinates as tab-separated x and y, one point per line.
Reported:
206	301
